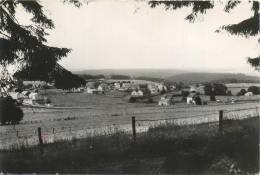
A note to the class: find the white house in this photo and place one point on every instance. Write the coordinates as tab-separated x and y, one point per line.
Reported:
26	93
160	87
126	85
164	101
193	89
153	88
117	85
36	96
173	87
91	90
190	99
136	93
100	89
16	95
249	94
28	101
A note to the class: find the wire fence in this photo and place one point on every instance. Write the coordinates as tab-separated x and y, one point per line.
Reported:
13	137
143	125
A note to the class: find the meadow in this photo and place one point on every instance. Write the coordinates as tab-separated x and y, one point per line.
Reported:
102	112
236	87
199	149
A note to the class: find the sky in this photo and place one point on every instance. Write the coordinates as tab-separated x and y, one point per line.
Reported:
123	34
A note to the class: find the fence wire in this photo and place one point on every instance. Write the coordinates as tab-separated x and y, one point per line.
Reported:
13	136
236	114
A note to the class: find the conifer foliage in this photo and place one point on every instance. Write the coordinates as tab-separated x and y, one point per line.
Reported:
26	45
247	28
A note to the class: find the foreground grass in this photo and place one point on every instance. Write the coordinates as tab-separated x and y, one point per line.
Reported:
163	149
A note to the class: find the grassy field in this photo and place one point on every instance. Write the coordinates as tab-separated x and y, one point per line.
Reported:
106	111
236	87
163	149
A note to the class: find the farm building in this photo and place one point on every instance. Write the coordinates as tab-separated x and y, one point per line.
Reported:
102	87
173	87
36	96
193	89
137	93
162	87
249	94
199	89
26	93
194	99
91	90
16	95
126	86
35	84
153	88
190	99
164	101
117	85
134	86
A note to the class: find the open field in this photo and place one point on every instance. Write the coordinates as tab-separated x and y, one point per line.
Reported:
164	149
106	111
236	87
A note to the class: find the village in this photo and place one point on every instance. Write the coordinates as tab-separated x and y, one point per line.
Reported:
135	91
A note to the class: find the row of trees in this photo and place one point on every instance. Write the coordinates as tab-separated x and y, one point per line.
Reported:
254	89
215	89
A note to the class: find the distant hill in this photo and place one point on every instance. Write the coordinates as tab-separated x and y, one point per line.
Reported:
173	75
152	73
213	77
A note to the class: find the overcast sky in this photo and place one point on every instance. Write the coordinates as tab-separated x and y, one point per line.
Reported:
128	34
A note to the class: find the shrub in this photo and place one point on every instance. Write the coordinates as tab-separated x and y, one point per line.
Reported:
215	89
197	100
241	92
163	91
132	100
150	100
229	93
254	89
212	98
184	93
9	111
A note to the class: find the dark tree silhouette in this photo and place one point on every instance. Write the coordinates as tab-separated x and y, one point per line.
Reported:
26	45
246	28
9	112
254	89
215	89
66	80
241	92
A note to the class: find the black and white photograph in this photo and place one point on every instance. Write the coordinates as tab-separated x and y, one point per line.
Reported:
129	87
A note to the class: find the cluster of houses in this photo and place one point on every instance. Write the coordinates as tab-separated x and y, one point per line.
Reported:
136	90
30	96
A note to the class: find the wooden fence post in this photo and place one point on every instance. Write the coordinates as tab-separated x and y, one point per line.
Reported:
133	128
220	125
40	136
